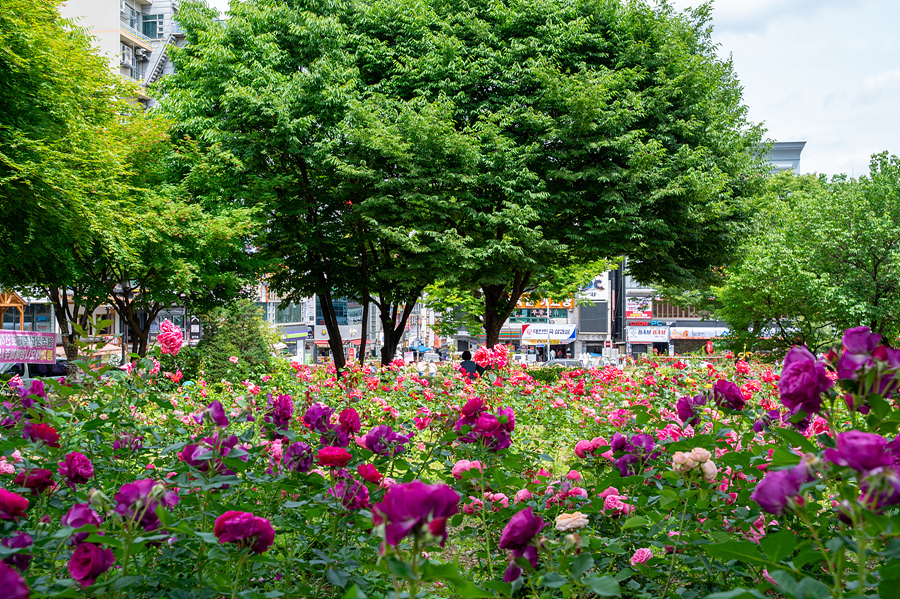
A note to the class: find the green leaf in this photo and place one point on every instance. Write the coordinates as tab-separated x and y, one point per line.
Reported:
634	522
778	546
581	564
552	580
354	592
400	568
737	594
605	586
744	551
338	578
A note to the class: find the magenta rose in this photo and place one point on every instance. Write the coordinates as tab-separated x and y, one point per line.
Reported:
12	506
12	583
245	530
80	515
20	560
89	561
803	380
412	508
77	468
520	530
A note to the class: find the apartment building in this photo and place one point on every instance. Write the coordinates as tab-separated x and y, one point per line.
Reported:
133	34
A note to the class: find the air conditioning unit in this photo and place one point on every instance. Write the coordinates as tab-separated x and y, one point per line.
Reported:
141	54
127	55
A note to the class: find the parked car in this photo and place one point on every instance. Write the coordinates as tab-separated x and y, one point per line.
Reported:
29	372
565	363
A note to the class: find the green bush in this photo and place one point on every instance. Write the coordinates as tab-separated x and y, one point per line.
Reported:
236	330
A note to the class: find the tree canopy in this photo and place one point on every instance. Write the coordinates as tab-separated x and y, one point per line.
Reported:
393	144
822	257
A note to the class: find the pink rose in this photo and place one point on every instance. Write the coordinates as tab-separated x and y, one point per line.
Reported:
464	466
641	556
523	495
169	338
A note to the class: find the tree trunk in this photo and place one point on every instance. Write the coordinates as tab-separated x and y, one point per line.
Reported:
365	328
335	343
500	303
67	313
393	329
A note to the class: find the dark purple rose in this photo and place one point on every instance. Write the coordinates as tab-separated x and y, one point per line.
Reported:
893	448
281	410
520	531
298	457
642	443
206	456
861	451
80	515
125	443
410	508
35	391
859	345
89	561
245	530
619	442
803	380
20	540
513	572
214	412
318	417
384	441
136	502
76	468
352	494
728	395
768	419
37	480
780	487
628	464
12	583
685	406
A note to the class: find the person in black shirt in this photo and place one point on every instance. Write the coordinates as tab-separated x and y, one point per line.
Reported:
469	367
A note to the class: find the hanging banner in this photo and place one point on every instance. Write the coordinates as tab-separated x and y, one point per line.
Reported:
638	307
27	346
555	334
698	332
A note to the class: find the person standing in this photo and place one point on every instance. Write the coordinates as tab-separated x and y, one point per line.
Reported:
469	367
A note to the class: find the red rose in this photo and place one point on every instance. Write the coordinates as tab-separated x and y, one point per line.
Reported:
335	457
369	473
43	432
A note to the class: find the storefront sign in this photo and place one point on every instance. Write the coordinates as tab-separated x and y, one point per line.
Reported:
557	334
596	291
638	307
648	334
27	346
698	332
526	305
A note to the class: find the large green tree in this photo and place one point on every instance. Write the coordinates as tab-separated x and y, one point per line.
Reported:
62	142
590	130
491	145
822	256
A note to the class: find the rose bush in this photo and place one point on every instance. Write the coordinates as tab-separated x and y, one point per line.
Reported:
671	478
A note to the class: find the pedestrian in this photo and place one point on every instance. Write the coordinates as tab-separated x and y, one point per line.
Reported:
468	366
552	354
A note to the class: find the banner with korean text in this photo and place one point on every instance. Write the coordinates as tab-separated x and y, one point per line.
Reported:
27	346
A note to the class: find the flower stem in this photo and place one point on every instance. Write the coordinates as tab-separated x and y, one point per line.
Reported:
674	553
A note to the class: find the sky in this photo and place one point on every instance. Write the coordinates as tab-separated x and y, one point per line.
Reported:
826	72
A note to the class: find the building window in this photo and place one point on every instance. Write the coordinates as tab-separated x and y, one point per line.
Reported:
663	309
152	26
291	313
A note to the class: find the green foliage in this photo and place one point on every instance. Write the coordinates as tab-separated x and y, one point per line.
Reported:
821	257
235	330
